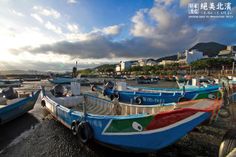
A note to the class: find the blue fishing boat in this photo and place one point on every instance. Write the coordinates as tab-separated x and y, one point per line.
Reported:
68	80
10	83
127	127
196	83
61	80
147	96
146	80
13	108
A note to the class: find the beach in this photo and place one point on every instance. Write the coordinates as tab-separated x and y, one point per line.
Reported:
38	134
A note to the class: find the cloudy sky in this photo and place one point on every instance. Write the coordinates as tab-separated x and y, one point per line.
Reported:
53	34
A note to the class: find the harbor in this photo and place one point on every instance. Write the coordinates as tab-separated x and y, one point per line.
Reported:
152	78
38	134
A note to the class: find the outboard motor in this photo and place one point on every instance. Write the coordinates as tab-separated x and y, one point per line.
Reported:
109	85
58	90
9	93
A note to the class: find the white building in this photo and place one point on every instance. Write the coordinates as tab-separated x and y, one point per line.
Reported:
125	65
142	62
166	62
194	55
118	68
228	53
151	62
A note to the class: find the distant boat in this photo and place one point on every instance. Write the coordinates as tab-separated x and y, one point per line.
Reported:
61	80
148	96
148	80
68	80
230	81
10	83
32	79
134	128
13	108
196	83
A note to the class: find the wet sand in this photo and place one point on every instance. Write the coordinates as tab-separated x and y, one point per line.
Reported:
38	134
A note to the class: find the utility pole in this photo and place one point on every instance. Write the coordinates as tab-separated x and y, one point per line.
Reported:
223	68
190	70
233	68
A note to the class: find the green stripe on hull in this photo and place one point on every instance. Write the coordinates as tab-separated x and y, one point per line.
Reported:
208	95
129	125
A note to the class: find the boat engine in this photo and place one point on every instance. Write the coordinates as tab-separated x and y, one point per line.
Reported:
109	85
58	91
10	93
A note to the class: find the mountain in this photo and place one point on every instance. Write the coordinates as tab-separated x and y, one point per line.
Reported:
20	72
210	49
173	57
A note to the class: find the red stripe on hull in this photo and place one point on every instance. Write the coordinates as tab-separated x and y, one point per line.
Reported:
161	120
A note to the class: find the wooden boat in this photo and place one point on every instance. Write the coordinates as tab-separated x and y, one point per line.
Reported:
10	83
32	79
11	109
187	88
61	80
151	97
68	80
196	83
146	80
230	82
134	128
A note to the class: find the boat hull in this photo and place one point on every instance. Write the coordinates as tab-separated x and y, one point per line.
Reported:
121	132
59	80
12	111
152	98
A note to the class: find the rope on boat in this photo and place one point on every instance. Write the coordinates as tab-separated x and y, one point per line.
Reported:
117	109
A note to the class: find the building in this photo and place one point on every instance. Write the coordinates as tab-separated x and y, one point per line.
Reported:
193	55
189	56
135	64
228	53
166	62
118	68
151	62
125	65
142	62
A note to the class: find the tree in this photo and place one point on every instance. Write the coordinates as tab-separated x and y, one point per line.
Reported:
212	63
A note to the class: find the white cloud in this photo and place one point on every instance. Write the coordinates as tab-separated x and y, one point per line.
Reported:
140	27
163	2
53	28
162	16
112	30
184	2
73	28
72	1
17	13
37	17
108	31
47	12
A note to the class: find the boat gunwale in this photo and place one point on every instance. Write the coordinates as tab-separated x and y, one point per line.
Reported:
9	107
131	116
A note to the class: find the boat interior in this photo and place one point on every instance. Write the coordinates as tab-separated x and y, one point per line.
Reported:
99	106
11	97
4	101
